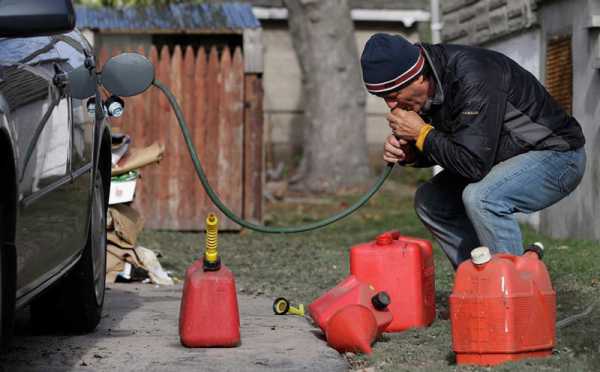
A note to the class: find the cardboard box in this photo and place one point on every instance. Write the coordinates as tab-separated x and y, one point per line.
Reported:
121	191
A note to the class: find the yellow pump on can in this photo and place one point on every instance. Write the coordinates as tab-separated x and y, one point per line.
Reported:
212	261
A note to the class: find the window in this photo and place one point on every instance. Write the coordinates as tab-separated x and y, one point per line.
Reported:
559	71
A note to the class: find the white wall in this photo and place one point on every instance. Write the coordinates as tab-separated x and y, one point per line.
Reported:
524	49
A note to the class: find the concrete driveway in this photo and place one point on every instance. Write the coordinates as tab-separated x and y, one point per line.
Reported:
139	333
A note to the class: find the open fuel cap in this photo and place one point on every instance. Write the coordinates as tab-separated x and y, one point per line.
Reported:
536	247
381	300
384	239
481	255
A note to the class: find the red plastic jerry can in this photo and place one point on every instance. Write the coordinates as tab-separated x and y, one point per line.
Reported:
502	308
351	291
352	328
403	267
209	315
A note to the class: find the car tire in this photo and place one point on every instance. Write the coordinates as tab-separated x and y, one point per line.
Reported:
4	334
78	299
88	279
2	279
7	290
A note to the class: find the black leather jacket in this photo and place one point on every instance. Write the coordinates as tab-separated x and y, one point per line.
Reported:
487	109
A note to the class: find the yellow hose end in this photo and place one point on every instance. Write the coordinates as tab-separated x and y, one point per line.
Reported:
281	306
212	220
211	253
297	310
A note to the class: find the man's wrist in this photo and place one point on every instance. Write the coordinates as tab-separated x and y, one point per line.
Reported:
425	129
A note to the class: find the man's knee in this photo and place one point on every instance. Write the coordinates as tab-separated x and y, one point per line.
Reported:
422	199
478	201
472	197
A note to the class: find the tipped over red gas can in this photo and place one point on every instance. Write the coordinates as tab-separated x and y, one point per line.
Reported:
403	267
351	291
502	308
352	328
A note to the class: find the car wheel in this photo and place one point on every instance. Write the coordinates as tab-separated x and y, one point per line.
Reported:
87	281
7	291
78	299
3	330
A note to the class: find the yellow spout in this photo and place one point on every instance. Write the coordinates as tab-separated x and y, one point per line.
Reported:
211	254
281	306
296	310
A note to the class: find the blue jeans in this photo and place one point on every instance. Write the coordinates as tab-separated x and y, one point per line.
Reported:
463	215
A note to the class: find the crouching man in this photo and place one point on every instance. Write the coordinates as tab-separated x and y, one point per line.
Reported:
505	145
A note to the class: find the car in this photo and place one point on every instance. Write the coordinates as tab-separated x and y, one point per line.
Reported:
55	161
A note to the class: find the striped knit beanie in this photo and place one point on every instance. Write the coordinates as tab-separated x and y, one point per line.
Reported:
390	62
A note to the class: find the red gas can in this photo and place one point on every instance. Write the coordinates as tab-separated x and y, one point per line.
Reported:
352	328
502	308
403	267
209	313
351	291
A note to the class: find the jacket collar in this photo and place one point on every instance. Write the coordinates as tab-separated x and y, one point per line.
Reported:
438	96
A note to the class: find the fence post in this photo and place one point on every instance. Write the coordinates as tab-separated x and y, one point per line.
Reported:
253	125
161	216
253	147
231	132
188	186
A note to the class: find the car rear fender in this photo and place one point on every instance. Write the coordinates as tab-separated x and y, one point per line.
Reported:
104	159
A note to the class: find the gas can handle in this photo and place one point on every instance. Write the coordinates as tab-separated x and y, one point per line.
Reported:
395	234
387	237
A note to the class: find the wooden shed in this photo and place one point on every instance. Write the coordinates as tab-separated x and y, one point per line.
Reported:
210	55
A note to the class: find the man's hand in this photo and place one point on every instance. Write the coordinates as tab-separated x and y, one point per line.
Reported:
392	149
405	124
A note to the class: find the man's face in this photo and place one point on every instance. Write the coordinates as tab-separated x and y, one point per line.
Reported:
411	98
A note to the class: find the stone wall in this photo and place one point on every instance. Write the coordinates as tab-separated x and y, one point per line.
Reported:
354	4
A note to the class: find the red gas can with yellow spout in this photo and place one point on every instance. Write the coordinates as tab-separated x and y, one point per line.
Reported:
403	267
209	314
502	308
351	291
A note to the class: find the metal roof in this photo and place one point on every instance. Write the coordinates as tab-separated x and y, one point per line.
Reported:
354	4
232	17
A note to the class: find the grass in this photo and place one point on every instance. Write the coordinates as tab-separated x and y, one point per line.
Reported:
301	267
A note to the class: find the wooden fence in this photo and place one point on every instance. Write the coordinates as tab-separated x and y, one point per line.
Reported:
223	108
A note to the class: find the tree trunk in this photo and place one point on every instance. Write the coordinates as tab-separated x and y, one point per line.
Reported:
335	143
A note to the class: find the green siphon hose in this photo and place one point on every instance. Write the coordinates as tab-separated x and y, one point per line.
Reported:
264	229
